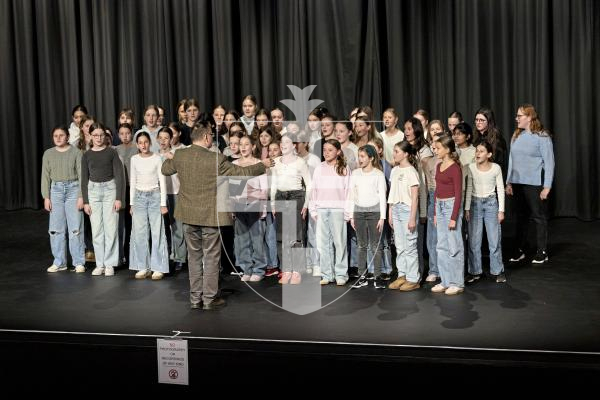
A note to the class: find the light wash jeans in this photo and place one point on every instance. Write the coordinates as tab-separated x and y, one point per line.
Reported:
146	214
104	221
450	248
331	243
407	255
432	235
250	249
271	241
312	254
66	218
178	247
485	210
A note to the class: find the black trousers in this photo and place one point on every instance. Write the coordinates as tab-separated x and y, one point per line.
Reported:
528	205
291	260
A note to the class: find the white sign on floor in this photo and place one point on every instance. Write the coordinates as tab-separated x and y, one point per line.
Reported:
172	361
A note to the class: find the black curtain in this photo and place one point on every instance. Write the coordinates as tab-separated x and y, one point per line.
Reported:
440	55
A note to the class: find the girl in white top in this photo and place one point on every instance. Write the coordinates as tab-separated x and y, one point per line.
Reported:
291	182
404	202
79	112
151	126
485	204
271	230
366	208
391	135
413	131
148	205
312	255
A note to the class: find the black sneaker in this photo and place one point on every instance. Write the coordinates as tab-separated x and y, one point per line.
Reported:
370	276
500	278
362	281
472	278
541	257
384	276
353	272
379	283
517	256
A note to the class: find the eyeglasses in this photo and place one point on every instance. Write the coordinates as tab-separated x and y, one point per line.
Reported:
521	115
480	120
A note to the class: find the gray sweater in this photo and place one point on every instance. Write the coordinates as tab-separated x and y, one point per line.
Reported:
59	167
102	166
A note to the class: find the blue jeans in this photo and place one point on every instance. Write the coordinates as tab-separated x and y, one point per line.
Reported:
178	248
104	221
331	243
312	254
271	241
250	249
485	210
407	255
431	235
352	246
65	217
146	214
450	250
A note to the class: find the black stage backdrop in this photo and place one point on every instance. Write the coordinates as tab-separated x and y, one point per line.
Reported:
440	55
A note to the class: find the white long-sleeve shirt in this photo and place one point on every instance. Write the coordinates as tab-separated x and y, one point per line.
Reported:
484	184
145	175
288	177
367	190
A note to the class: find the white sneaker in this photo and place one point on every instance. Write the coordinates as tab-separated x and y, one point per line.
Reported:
341	281
98	271
56	268
431	278
156	276
109	271
316	270
246	278
79	269
143	274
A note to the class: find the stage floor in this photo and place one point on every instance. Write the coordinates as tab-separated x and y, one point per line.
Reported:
552	309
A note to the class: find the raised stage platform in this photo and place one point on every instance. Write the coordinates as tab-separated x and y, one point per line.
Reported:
545	321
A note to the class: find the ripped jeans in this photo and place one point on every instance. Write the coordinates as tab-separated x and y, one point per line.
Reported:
66	220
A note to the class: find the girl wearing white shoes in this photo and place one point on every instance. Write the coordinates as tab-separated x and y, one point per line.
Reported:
148	205
250	224
61	169
331	182
448	218
102	187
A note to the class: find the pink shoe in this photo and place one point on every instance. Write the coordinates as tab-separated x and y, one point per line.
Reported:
296	278
285	278
245	278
